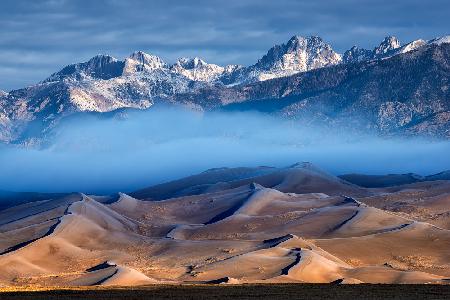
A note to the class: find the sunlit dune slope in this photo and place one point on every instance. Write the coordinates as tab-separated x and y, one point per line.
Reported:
264	225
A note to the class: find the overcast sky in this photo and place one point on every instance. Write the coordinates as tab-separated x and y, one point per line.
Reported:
39	37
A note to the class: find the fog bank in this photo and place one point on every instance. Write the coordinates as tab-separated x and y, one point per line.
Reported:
108	155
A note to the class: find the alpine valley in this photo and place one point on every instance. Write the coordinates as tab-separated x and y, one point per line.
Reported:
391	90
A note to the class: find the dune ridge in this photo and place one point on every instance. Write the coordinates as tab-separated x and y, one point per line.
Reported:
296	224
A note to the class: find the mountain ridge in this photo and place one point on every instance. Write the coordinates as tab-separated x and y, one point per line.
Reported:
104	84
104	66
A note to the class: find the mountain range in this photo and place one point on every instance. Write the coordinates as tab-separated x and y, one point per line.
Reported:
393	89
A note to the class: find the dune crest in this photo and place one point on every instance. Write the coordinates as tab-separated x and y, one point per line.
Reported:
296	224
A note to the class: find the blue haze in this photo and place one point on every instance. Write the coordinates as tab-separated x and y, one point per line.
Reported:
103	156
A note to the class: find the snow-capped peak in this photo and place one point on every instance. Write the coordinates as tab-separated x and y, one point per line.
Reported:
232	68
412	46
101	59
389	44
191	63
197	69
140	61
389	47
299	54
356	54
100	66
311	42
440	40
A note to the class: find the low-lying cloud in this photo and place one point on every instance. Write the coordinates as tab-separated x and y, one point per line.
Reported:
95	155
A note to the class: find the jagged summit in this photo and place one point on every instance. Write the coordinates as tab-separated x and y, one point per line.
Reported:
356	54
140	61
389	44
197	69
101	60
190	63
299	54
440	40
312	42
100	66
411	46
388	47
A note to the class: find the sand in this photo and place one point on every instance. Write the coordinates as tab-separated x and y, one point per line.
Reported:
232	226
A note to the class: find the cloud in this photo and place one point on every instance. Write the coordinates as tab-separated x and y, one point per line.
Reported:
89	154
222	32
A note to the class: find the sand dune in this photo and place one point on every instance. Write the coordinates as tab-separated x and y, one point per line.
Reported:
31	221
297	260
11	199
298	178
424	201
391	180
111	274
198	184
297	224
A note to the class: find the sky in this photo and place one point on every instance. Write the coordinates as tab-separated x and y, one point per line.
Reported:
40	37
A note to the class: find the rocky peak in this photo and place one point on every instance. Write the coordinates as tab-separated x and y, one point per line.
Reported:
191	63
299	54
388	47
356	54
232	68
100	67
411	46
197	69
297	43
440	40
140	61
99	61
389	44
